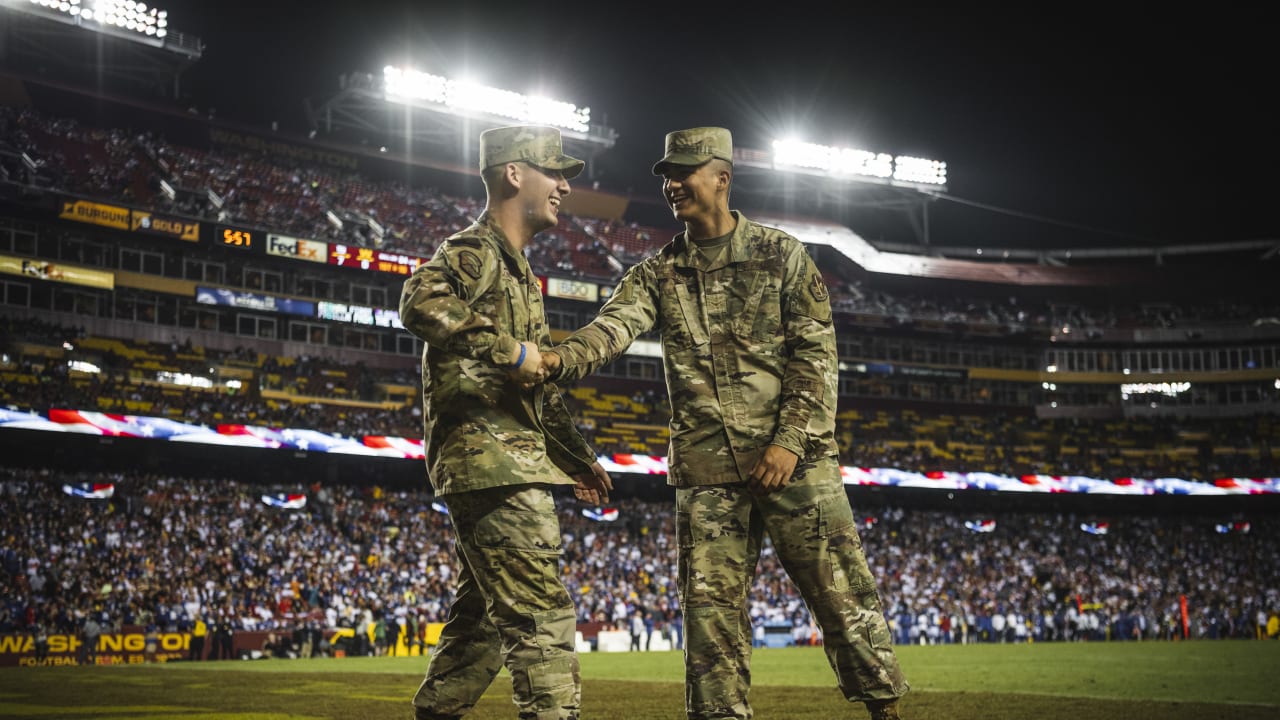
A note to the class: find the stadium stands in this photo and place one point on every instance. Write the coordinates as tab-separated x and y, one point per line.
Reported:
168	550
293	325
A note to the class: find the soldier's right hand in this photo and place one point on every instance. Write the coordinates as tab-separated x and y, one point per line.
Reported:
530	368
550	366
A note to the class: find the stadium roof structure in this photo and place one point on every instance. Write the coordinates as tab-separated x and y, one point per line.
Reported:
367	110
128	46
847	213
1061	268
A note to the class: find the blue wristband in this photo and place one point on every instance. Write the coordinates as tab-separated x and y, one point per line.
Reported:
520	360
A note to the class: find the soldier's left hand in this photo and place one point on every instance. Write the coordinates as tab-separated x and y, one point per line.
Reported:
593	487
773	470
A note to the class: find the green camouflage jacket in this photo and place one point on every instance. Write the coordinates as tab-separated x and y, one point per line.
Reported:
749	349
472	304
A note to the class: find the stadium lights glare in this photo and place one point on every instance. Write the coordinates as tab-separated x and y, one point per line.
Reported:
183	379
840	161
460	97
1169	389
126	15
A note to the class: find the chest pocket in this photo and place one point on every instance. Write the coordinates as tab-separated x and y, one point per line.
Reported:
520	308
755	304
500	304
683	323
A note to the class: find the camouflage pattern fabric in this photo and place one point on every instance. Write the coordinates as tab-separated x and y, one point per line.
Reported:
694	147
748	346
538	145
750	356
812	528
472	304
509	546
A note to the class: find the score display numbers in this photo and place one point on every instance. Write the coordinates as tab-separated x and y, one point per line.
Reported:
239	238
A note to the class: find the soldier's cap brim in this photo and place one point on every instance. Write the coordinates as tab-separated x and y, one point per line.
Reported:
569	166
683	159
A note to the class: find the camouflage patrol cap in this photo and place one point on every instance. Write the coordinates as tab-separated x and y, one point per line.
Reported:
537	145
695	146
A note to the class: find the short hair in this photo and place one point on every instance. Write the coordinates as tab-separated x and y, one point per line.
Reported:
491	175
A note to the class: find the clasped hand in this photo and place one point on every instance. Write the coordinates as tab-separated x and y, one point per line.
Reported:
536	367
593	486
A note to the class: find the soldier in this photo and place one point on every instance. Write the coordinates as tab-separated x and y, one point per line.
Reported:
496	444
750	355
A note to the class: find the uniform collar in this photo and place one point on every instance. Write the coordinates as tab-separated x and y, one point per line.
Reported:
687	254
515	261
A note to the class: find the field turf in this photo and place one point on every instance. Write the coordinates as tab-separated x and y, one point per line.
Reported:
1047	681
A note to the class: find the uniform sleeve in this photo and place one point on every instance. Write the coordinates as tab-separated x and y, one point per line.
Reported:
807	413
628	314
565	445
435	303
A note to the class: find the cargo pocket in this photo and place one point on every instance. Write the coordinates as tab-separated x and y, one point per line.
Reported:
844	565
508	528
551	677
684	541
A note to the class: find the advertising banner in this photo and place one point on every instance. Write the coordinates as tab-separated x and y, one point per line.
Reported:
112	216
253	301
297	248
358	314
572	289
123	648
165	226
57	272
370	259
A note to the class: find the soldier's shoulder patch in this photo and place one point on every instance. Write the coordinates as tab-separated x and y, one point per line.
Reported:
469	263
817	288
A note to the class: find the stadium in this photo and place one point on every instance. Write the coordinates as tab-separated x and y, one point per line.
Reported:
1064	459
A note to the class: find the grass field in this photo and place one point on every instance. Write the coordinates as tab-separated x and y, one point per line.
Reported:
1048	681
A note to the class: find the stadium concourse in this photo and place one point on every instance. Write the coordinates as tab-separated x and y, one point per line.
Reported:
164	271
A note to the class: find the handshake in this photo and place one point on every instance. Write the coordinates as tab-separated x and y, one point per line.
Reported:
535	367
593	485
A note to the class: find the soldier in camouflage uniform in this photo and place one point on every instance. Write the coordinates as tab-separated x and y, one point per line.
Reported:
751	366
496	444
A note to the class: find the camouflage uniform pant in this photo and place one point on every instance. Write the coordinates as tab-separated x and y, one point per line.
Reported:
508	542
811	525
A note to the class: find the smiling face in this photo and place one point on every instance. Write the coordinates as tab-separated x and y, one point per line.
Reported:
542	191
690	191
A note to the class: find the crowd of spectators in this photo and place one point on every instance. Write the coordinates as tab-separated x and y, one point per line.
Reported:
1192	448
300	199
170	551
177	554
32	382
316	390
248	188
1011	314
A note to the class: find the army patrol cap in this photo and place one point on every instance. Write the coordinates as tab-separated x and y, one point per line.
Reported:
695	146
537	145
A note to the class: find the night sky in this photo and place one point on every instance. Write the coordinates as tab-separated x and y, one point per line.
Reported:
1093	127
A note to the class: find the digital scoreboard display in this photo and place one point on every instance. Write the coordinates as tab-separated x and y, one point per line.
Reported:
238	238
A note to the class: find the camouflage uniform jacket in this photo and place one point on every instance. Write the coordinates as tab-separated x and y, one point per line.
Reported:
472	304
748	345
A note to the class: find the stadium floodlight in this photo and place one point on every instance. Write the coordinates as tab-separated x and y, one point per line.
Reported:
853	163
465	98
110	15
